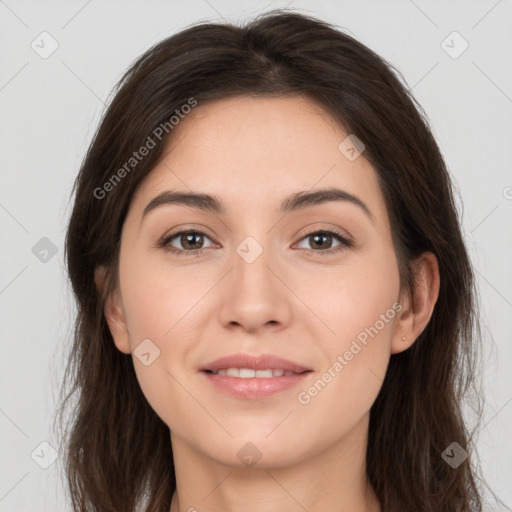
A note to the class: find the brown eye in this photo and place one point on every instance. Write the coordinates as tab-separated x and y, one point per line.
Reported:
191	242
321	241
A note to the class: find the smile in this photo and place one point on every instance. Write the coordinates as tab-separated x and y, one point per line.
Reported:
248	373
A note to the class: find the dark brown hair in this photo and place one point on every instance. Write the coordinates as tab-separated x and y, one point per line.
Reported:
110	466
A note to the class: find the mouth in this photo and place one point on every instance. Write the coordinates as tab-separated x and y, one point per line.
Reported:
249	373
244	364
254	377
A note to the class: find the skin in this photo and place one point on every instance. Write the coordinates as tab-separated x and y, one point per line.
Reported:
291	301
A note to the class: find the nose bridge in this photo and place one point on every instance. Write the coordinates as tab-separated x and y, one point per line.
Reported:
251	267
250	249
254	296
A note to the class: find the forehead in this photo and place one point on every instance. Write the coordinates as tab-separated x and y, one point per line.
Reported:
254	151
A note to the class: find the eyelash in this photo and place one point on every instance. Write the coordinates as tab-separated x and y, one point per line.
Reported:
344	242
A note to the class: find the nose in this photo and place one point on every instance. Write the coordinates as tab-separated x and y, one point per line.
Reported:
254	294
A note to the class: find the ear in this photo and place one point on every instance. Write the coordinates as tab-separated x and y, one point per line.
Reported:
114	313
417	309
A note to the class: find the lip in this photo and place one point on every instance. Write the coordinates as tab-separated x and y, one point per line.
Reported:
261	362
254	388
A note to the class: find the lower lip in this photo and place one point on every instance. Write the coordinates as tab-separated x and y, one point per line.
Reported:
254	388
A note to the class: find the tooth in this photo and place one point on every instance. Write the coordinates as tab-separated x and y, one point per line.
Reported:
246	373
264	373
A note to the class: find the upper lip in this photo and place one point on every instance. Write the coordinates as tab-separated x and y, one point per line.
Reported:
261	362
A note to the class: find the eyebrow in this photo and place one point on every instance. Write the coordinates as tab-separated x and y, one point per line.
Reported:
297	201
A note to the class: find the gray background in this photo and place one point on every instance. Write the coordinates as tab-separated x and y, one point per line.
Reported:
49	109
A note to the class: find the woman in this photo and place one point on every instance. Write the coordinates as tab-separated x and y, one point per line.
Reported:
275	303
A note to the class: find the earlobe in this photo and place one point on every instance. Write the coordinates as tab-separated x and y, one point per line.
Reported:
417	308
114	314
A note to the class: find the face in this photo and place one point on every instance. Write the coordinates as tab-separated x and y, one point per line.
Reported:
314	284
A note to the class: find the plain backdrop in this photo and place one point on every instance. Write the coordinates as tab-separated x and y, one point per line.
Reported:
50	106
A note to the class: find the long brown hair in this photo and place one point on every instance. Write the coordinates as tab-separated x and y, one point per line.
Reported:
110	465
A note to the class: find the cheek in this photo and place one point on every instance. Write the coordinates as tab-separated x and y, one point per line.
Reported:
156	297
352	297
356	359
155	302
359	306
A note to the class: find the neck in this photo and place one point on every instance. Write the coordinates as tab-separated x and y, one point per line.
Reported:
331	480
